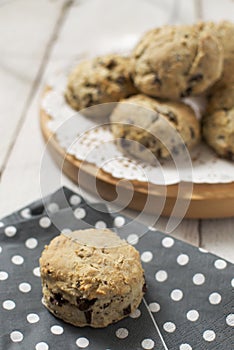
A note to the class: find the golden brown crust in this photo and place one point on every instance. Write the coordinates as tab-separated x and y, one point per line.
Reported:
141	117
218	132
178	61
100	80
84	278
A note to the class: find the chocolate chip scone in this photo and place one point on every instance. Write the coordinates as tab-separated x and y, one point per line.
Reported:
100	80
158	128
218	122
225	34
218	132
91	278
178	61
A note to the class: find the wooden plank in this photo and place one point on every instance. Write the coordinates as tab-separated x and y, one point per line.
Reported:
218	237
25	31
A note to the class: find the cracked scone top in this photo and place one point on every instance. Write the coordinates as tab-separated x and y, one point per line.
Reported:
91	277
158	128
100	80
178	61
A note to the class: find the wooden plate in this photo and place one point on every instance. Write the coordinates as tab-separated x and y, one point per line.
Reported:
208	200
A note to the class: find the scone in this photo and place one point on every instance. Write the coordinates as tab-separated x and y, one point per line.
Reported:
91	278
159	129
100	80
178	61
218	122
218	132
225	34
220	97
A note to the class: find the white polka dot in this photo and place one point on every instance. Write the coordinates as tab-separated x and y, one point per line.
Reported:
57	330
74	199
151	228
65	231
147	344
16	336
8	305
100	224
31	243
119	221
25	287
17	259
146	257
1	224
121	333
198	279
33	318
176	295
133	239
202	250
215	298
0	249
230	320
3	275
161	276
182	259
79	213
169	327
36	272
135	314
168	242
185	347
232	282
10	231
45	222
220	264
82	342
26	213
209	335
53	207
42	346
154	307
192	315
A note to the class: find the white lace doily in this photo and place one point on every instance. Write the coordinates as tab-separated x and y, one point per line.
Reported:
82	138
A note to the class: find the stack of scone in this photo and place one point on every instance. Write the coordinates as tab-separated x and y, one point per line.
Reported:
167	65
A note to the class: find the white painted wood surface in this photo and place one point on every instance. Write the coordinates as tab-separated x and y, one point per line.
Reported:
57	32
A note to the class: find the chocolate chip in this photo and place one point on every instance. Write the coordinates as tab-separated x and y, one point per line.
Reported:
88	316
192	132
112	64
157	80
78	284
127	310
106	305
172	117
89	99
58	299
121	80
196	77
230	155
84	304
124	143
174	150
221	137
144	288
187	92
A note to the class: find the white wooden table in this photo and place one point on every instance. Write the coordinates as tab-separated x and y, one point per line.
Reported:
38	36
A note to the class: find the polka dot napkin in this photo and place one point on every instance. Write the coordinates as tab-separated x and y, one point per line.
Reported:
189	304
